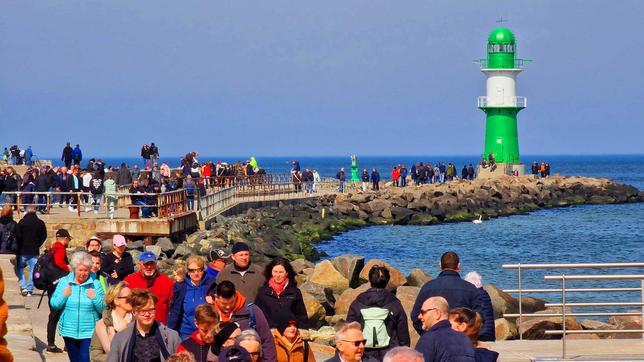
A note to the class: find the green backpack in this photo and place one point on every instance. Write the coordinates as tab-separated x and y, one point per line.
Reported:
375	329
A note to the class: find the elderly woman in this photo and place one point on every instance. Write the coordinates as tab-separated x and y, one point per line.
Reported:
288	342
117	315
197	288
80	297
280	293
250	341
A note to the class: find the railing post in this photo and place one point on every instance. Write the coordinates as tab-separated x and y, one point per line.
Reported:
563	314
520	304
642	284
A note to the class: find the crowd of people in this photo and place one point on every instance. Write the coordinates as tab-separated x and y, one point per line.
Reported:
109	307
14	155
542	169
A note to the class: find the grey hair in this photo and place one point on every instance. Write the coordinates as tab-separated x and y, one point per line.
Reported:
403	354
342	328
249	335
474	278
80	258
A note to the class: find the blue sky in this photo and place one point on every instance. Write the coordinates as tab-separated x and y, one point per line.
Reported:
281	78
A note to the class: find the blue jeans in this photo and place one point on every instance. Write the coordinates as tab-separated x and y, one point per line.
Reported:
77	349
190	202
145	211
24	261
341	186
96	201
309	186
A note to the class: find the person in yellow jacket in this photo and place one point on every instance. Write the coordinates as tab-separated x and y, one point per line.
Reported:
288	342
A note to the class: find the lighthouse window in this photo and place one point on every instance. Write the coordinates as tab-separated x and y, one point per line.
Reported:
500	48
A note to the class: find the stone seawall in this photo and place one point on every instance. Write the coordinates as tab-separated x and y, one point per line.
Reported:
291	230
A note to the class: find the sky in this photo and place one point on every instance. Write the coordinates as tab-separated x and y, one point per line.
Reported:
279	78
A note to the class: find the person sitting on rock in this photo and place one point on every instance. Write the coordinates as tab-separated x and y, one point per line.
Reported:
465	321
450	286
349	344
440	342
247	277
280	293
234	307
378	307
148	277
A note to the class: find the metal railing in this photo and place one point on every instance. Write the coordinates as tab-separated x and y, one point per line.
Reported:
518	64
518	101
564	290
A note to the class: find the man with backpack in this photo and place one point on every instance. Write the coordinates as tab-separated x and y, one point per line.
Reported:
31	233
56	265
233	307
381	316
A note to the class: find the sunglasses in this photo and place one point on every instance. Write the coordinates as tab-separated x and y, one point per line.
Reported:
423	311
199	270
356	343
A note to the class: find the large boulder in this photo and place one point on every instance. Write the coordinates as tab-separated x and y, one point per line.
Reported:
397	278
376	206
505	329
417	278
165	244
300	264
407	296
326	274
350	267
535	327
314	310
347	297
343	207
325	335
627	322
502	302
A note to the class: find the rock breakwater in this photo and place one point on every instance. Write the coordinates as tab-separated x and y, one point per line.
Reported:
292	230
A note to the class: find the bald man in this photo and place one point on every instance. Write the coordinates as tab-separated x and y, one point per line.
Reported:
439	342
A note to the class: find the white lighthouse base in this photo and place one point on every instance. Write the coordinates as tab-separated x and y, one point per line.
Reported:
500	169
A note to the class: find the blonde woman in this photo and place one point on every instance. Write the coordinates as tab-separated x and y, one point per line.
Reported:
116	317
197	288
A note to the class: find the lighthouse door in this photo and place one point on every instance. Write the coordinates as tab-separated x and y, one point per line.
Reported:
500	96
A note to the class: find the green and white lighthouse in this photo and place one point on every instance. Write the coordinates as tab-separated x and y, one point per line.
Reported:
501	104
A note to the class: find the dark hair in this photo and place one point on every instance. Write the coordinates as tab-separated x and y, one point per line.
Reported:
268	271
379	276
469	317
226	289
95	254
140	297
449	260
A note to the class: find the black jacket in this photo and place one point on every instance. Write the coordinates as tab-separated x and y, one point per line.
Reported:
11	183
449	285
43	182
396	322
290	299
31	233
488	332
67	154
123	268
336	358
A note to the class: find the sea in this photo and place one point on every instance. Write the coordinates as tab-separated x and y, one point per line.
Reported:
576	234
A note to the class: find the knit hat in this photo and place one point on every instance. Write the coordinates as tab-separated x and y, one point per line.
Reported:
283	319
240	246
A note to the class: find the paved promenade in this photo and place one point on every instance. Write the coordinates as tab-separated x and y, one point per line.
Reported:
27	332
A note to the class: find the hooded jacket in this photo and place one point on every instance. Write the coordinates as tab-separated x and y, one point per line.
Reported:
298	351
80	313
396	323
186	297
31	233
241	315
161	285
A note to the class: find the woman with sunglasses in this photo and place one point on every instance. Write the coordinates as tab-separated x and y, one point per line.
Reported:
197	288
288	342
116	316
466	321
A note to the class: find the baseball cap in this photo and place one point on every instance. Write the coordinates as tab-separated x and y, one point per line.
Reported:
63	233
147	256
234	353
118	240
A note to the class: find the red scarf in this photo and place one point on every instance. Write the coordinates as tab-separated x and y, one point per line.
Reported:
277	287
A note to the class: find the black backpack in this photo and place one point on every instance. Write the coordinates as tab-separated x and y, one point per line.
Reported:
8	241
46	273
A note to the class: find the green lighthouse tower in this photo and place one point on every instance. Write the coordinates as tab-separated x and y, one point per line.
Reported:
501	104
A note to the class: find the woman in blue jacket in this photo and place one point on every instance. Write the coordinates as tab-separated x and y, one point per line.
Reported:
197	288
80	296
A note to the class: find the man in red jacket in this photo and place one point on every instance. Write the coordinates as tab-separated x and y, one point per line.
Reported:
59	255
148	277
